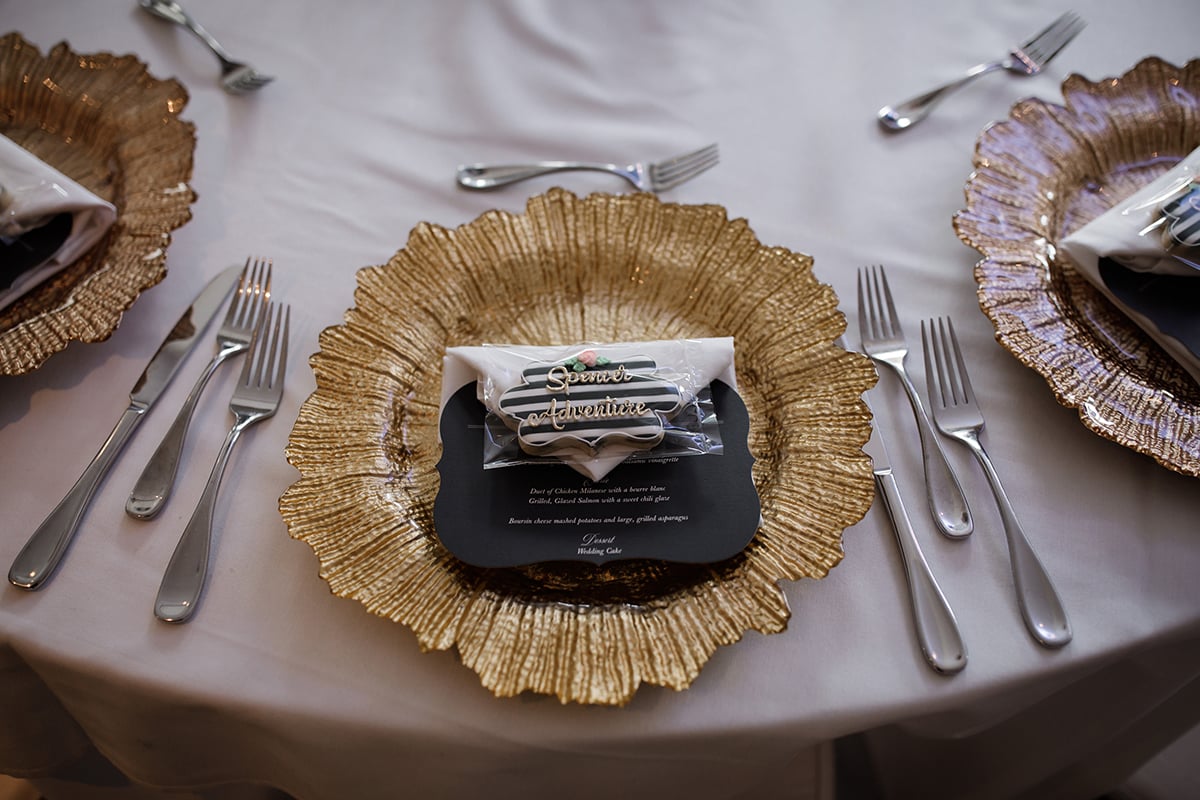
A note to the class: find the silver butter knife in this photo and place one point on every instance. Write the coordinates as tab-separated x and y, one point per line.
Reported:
40	556
937	630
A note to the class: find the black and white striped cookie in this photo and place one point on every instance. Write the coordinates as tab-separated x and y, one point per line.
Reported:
589	402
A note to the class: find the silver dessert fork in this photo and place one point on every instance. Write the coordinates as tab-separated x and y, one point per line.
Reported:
236	76
655	176
958	416
1029	58
152	489
883	340
256	398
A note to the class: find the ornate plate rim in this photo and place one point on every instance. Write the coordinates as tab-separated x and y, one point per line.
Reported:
577	650
132	257
1016	286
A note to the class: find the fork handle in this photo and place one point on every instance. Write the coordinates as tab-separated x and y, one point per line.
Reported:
947	502
45	549
491	176
1041	608
153	487
937	630
183	580
904	115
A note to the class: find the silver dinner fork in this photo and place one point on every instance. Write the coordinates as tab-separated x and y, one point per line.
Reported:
256	398
958	416
236	76
1027	59
883	340
152	489
654	176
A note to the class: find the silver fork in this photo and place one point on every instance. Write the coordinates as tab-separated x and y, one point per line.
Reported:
958	416
256	398
654	176
883	340
1029	58
152	489
236	76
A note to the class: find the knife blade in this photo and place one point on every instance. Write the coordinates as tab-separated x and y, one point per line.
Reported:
40	556
937	630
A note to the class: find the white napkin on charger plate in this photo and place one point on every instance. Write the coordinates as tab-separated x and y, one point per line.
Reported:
32	195
1154	232
692	363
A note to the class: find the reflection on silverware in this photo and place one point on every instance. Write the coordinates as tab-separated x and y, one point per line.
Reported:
236	77
937	630
44	550
152	489
256	398
883	340
655	176
958	416
1028	59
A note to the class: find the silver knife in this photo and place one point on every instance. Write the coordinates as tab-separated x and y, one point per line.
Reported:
937	630
41	554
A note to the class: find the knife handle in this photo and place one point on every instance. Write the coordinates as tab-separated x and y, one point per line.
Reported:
37	560
937	630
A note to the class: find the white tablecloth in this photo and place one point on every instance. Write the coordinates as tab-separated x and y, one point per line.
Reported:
279	683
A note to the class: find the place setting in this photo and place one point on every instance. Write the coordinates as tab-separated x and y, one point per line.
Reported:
586	444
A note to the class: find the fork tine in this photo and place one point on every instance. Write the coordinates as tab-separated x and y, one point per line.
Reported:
685	169
255	294
686	161
1046	45
266	363
878	310
674	171
949	383
964	380
686	158
235	307
276	364
1077	25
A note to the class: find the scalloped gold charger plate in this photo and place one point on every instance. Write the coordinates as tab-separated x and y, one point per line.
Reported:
568	270
102	120
1040	175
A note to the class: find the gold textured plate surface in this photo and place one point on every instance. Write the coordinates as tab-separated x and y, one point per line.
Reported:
102	120
1042	174
569	270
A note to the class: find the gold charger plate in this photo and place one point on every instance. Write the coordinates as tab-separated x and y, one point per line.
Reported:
1042	174
102	120
568	270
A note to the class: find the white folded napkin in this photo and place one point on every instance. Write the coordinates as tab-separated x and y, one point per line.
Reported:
32	195
1155	231
691	363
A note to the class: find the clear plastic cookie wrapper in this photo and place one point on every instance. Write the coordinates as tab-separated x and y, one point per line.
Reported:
594	405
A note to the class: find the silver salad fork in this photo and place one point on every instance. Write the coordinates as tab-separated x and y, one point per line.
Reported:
883	340
152	489
236	76
256	398
958	416
655	176
1027	59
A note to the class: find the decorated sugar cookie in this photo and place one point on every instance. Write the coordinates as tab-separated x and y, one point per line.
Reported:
588	402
